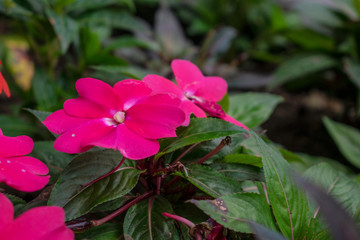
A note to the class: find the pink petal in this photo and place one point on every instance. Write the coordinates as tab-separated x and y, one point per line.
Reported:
154	121
83	108
6	212
15	146
22	173
211	108
159	84
187	75
130	91
98	92
189	107
60	122
211	89
226	117
131	145
39	223
79	139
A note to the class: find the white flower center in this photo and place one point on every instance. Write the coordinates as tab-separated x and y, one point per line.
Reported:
119	117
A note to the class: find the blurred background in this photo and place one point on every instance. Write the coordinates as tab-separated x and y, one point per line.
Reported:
305	52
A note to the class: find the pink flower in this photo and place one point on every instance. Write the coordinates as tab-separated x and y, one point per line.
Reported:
3	85
127	117
21	172
198	93
36	224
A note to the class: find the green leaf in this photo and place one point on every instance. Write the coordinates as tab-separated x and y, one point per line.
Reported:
346	138
44	90
206	147
240	172
243	159
65	28
352	69
130	41
343	188
82	170
210	181
299	66
113	19
263	233
145	220
252	109
15	126
236	210
17	202
41	115
116	73
318	41
107	231
199	130
55	160
86	5
289	204
112	187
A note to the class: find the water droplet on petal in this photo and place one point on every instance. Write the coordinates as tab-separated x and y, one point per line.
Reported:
23	170
8	161
73	135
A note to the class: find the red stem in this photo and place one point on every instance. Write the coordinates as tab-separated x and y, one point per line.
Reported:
180	219
121	210
108	174
223	143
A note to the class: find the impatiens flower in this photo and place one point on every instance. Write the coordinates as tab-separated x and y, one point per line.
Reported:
38	223
198	93
127	117
3	85
21	172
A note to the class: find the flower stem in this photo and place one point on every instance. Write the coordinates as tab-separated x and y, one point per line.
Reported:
108	174
223	143
121	210
180	219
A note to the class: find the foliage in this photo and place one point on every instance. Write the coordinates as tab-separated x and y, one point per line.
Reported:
214	178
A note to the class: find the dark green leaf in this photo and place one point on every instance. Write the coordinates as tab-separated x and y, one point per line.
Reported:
112	18
252	108
86	5
240	172
107	231
114	186
129	41
289	204
199	130
82	170
346	138
65	28
343	188
55	160
210	181
44	90
17	202
41	115
236	210
263	233
341	225
299	66
243	159
15	126
352	69
145	220
206	147
117	73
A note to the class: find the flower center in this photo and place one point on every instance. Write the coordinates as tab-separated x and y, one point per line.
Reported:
119	117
